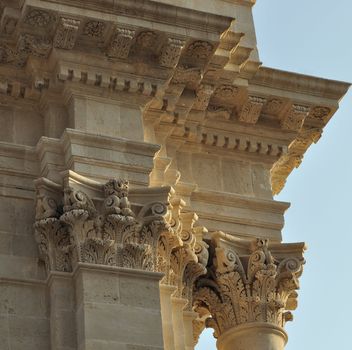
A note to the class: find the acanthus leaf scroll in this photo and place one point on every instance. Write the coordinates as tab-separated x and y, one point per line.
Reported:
243	289
107	232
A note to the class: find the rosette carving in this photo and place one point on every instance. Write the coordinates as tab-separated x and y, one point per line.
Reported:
251	288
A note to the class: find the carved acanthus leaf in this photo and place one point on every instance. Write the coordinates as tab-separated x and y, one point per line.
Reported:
225	96
94	29
203	94
121	43
189	76
109	234
39	18
251	110
243	289
199	52
35	45
171	52
320	113
294	119
66	33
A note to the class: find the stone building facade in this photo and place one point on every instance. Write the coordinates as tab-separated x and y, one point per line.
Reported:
141	144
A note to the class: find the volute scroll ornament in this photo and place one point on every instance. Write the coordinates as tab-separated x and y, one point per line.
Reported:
242	289
183	254
108	231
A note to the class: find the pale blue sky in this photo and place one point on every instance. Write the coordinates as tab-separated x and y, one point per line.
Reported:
314	37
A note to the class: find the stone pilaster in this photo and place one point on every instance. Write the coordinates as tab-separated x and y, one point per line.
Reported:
100	242
249	291
183	257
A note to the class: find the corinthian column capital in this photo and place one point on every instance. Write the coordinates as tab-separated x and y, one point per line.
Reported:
250	286
84	221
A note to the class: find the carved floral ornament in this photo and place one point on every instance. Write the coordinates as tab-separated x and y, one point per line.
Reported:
39	18
182	252
108	233
94	29
111	231
242	289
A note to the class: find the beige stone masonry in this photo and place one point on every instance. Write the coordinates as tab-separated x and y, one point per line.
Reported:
141	145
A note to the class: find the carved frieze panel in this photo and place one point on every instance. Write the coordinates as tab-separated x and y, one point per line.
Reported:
320	113
35	45
146	45
218	112
94	29
273	106
10	55
225	94
41	19
188	76
198	52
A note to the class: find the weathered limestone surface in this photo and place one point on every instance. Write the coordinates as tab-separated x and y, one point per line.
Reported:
141	144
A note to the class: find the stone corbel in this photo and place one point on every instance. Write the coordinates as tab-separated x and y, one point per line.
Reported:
171	52
294	119
121	43
66	33
251	110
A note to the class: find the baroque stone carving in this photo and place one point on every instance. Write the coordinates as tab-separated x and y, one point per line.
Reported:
273	107
37	46
187	75
52	237
39	18
203	97
7	54
320	113
171	52
199	51
218	112
242	289
94	29
121	43
110	233
146	43
294	119
182	253
9	24
66	34
251	110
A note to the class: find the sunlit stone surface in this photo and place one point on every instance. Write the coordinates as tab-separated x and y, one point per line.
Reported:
141	143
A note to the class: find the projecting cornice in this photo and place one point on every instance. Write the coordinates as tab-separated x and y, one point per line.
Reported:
300	83
139	9
198	81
